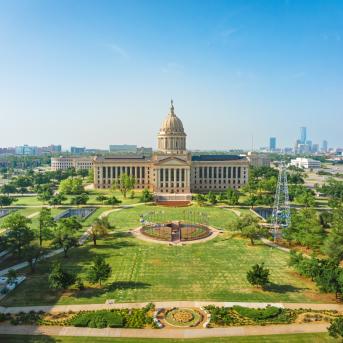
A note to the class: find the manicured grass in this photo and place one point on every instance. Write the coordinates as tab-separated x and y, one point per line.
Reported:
215	270
28	201
125	219
293	338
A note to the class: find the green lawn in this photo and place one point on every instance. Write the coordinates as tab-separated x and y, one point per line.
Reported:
215	270
129	218
299	338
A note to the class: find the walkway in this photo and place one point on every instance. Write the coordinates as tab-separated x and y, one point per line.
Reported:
167	304
164	333
82	240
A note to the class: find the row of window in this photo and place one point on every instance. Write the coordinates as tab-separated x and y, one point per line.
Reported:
115	172
219	172
172	174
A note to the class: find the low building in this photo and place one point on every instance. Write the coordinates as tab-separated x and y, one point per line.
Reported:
305	163
172	173
258	159
63	163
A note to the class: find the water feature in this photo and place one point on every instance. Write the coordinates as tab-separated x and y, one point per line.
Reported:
83	213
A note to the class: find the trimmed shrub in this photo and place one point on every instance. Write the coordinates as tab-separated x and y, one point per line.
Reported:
258	313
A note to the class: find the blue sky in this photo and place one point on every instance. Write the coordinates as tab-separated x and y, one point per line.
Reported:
94	73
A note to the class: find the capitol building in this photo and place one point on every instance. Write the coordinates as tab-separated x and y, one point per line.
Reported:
172	173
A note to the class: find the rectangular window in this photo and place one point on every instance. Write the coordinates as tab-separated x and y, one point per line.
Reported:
133	171
239	172
224	172
220	172
177	175
104	172
118	171
108	172
215	172
200	172
182	175
161	175
172	174
234	172
143	172
205	172
229	172
138	172
210	172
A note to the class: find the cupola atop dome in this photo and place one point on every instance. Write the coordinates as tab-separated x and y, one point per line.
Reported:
172	137
172	124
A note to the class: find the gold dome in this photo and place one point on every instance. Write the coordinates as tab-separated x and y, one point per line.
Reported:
172	124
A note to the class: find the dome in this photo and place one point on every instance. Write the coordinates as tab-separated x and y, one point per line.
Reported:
172	137
172	124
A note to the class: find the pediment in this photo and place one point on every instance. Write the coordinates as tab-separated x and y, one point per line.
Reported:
172	161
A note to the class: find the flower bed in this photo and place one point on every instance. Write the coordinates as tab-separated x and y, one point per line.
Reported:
238	316
183	317
128	318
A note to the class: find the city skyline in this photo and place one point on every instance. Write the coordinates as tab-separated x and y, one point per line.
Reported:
87	76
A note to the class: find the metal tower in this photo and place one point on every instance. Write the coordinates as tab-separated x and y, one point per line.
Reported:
281	217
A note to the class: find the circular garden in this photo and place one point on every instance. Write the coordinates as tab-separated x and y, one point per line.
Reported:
183	317
189	226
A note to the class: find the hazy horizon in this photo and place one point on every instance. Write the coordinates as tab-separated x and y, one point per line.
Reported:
87	73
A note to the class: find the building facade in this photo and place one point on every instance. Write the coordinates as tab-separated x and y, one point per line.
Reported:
172	173
305	163
64	163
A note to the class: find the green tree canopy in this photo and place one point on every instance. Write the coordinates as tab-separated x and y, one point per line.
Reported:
100	271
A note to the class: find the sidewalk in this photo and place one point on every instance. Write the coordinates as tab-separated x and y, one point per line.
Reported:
164	333
166	304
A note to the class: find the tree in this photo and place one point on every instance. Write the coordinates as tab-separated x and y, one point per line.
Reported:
200	199
232	196
112	201
258	275
80	199
8	189
146	196
333	244
71	186
64	235
60	279
307	199
18	234
6	200
100	271
305	229
31	255
45	193
100	227
212	198
46	223
336	328
249	227
11	276
125	183
57	199
101	198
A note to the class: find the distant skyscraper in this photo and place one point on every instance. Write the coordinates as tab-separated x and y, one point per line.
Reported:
303	135
272	143
325	146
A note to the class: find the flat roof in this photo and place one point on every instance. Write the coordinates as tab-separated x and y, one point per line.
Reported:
216	157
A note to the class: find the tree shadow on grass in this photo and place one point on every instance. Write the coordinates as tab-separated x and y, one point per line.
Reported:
273	287
123	234
118	285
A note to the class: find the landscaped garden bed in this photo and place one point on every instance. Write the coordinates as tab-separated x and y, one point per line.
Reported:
183	317
114	318
239	316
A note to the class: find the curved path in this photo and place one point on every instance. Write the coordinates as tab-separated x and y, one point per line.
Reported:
82	240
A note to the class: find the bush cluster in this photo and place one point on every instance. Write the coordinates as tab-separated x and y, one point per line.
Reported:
238	315
98	319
